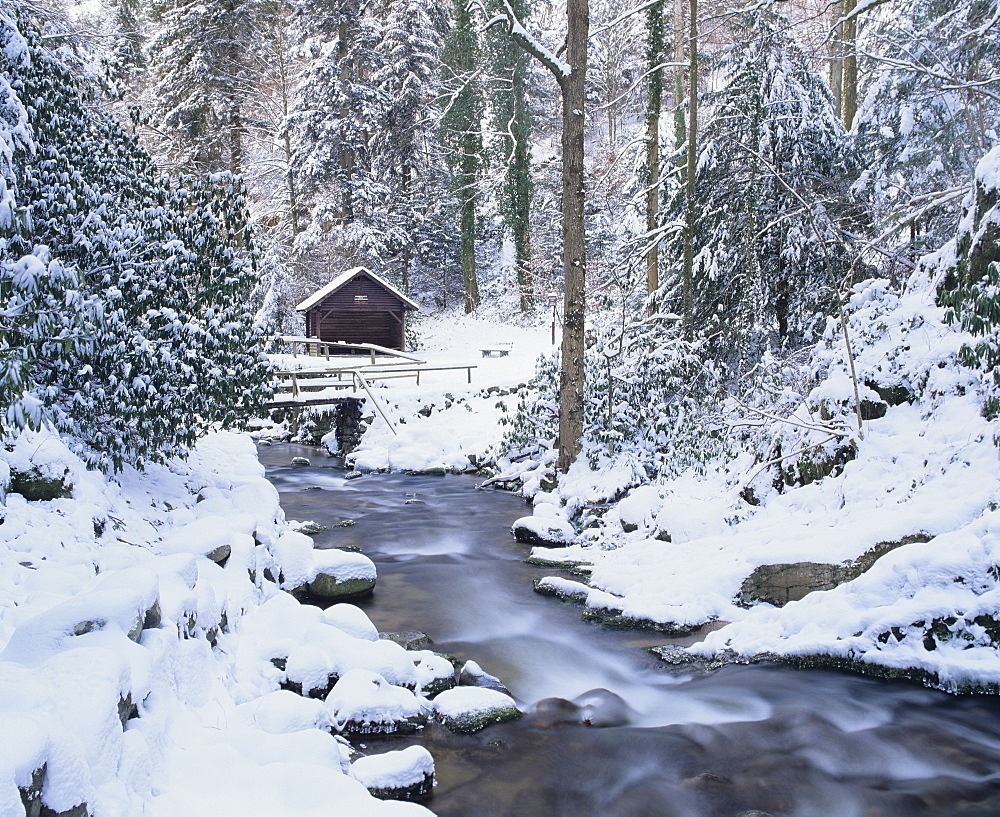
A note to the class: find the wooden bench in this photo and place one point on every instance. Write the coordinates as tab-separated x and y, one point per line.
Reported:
499	351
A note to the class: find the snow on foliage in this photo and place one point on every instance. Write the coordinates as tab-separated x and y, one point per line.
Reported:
141	335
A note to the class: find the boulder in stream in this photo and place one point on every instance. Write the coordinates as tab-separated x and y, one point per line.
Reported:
473	675
401	775
547	531
341	575
469	709
364	703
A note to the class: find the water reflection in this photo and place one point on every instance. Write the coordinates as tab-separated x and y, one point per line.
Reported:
741	740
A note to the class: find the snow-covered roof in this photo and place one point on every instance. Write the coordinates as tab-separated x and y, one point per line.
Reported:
343	279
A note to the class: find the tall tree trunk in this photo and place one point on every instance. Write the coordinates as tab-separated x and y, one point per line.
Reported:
690	212
836	56
406	256
654	102
680	123
467	203
571	375
571	76
521	183
346	150
850	49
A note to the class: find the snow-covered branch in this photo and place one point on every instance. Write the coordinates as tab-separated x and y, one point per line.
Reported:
531	44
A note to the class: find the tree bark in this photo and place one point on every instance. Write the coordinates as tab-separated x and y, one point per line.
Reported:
571	76
690	211
836	52
680	123
850	50
571	376
467	203
654	102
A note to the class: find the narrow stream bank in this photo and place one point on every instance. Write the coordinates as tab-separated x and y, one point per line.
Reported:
741	741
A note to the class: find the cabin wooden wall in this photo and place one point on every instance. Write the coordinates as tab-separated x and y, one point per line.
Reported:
362	311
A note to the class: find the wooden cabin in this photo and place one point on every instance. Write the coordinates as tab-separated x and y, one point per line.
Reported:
358	306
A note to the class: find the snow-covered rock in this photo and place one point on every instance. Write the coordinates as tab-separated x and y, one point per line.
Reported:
546	530
400	775
364	703
469	709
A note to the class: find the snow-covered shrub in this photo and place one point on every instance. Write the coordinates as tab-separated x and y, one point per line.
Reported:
971	287
648	397
141	334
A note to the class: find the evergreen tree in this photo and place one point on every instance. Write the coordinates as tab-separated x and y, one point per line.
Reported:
335	115
930	111
204	58
769	165
409	80
158	338
461	134
970	288
508	96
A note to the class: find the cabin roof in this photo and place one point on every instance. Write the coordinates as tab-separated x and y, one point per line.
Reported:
344	278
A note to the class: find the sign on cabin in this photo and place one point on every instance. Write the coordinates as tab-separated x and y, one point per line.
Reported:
358	306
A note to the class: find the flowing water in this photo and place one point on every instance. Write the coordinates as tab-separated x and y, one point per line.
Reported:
739	741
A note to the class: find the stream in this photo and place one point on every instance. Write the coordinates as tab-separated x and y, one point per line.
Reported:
745	740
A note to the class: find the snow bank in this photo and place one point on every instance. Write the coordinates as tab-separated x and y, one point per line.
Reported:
678	552
140	676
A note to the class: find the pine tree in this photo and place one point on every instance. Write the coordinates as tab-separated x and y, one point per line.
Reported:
204	58
508	96
409	80
930	108
336	111
772	156
461	134
970	289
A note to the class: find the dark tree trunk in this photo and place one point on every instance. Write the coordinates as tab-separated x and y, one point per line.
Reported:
850	74
571	376
571	76
690	211
467	204
654	102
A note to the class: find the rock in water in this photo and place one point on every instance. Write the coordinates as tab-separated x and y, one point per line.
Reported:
473	675
341	575
547	531
400	775
469	709
601	707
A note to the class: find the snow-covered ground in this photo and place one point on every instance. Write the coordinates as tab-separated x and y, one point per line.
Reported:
928	469
110	608
159	594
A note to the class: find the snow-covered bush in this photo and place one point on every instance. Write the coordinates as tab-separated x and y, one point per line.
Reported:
145	336
649	397
971	286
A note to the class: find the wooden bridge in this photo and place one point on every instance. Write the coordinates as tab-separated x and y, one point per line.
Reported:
324	386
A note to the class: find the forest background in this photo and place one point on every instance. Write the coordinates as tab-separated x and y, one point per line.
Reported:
744	168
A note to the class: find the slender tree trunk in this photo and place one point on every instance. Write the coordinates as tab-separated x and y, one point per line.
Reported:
836	52
654	102
467	203
346	151
571	376
521	226
406	256
690	212
571	76
680	123
850	79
